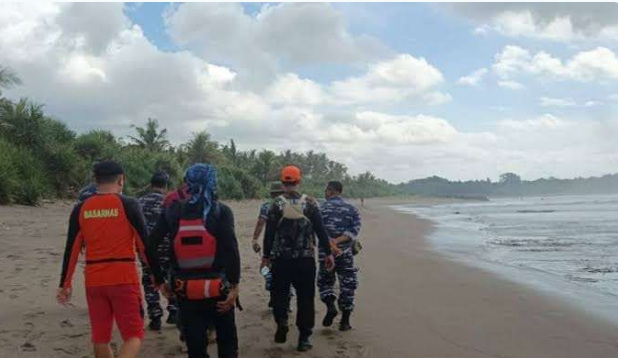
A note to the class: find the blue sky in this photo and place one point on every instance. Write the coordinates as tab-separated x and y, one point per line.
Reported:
383	87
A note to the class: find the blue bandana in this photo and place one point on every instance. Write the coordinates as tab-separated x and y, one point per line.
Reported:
202	182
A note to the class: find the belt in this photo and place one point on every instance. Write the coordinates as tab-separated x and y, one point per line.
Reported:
103	261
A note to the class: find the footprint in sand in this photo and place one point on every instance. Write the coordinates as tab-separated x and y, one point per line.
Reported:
77	335
34	314
28	347
71	350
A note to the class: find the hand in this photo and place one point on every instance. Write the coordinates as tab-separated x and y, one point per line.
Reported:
230	301
329	262
166	290
63	295
265	262
256	247
334	248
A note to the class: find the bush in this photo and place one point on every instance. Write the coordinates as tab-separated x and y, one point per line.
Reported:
32	181
9	177
139	165
229	187
65	167
250	186
97	145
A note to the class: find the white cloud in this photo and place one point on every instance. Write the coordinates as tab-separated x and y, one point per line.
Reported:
592	103
279	37
290	89
391	81
557	102
564	22
512	85
474	78
546	121
599	64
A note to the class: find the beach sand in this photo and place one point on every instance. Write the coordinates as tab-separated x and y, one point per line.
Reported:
412	302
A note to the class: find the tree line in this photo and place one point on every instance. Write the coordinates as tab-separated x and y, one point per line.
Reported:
511	184
41	157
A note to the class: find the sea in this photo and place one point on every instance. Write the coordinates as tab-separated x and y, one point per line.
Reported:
562	245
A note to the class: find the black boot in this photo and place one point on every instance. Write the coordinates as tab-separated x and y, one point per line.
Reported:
155	324
281	336
304	342
172	318
331	313
344	325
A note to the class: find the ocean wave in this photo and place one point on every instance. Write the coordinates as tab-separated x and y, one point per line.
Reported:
532	242
580	279
601	270
530	211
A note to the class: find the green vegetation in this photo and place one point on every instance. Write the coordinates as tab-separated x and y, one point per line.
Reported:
510	184
41	157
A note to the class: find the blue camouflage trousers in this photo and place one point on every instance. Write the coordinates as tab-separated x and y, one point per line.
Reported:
348	280
151	295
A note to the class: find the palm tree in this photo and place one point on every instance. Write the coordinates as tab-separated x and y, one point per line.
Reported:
22	122
201	149
150	137
8	78
265	165
231	153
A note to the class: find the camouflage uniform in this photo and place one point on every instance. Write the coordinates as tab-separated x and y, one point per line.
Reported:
340	218
152	206
86	192
268	279
290	245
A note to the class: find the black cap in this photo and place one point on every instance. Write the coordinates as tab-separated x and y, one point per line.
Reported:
160	179
107	168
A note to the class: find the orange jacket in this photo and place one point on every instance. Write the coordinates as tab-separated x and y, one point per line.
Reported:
111	227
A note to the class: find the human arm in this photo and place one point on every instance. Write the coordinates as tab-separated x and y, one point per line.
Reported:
229	247
353	229
273	217
71	254
228	244
259	226
324	242
159	232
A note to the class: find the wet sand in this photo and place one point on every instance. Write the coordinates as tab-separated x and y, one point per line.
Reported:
412	302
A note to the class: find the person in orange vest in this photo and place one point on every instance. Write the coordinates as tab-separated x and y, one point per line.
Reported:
111	227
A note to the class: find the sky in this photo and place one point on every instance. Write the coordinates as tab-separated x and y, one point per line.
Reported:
404	90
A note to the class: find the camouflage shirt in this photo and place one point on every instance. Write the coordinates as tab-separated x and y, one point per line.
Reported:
152	206
264	210
341	218
293	239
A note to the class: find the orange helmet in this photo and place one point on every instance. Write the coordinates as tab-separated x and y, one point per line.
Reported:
290	174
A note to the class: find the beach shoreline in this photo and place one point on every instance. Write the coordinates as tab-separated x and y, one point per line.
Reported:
413	300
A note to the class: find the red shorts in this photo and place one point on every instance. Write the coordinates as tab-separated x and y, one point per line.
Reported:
120	302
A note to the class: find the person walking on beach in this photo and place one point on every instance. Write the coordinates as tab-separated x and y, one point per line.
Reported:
343	223
276	189
205	263
152	206
111	227
289	249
